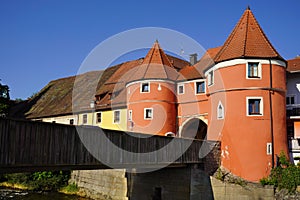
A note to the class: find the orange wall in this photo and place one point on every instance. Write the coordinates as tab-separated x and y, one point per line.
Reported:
244	138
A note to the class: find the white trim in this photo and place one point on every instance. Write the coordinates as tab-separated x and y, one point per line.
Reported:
191	81
183	89
195	87
259	71
114	111
141	87
222	111
145	113
261	106
233	62
150	80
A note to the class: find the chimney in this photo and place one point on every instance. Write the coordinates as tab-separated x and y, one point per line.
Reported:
193	58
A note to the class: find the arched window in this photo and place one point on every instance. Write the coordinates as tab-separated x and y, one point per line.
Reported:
220	111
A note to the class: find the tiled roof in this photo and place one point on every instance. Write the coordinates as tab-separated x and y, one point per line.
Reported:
247	40
197	71
293	65
156	65
56	97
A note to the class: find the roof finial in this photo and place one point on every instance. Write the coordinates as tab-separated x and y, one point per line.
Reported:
248	7
156	40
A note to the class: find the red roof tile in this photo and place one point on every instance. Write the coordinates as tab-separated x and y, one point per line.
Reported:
293	65
247	40
196	71
156	65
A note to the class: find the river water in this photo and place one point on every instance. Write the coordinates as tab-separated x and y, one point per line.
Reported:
7	194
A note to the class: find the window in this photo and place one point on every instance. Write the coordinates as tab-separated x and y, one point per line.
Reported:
99	117
269	148
116	117
145	87
253	70
210	78
254	106
180	89
71	121
148	113
129	115
290	100
84	118
200	87
220	111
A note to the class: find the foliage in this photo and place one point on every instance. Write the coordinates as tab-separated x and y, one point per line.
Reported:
70	189
45	181
285	176
4	99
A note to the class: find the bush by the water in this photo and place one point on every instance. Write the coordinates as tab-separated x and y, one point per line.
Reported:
285	176
40	180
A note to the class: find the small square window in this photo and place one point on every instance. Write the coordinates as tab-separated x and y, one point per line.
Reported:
148	113
116	117
210	78
71	121
99	117
253	70
180	89
255	106
200	87
290	100
84	118
145	87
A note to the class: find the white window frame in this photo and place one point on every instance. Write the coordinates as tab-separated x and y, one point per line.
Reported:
220	115
83	117
100	117
195	85
114	115
210	78
145	114
259	71
269	148
141	87
178	86
129	115
261	106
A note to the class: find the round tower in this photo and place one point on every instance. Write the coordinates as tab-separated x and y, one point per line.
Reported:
248	81
151	100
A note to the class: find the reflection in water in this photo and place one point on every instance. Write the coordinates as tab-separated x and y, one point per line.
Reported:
6	194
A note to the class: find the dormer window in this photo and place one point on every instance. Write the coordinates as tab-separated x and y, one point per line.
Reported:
253	70
145	87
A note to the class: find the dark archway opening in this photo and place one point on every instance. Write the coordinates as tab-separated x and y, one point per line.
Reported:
194	128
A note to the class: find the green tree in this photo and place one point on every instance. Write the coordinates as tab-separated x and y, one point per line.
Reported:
4	100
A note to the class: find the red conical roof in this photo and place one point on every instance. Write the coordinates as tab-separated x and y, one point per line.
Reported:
156	65
247	40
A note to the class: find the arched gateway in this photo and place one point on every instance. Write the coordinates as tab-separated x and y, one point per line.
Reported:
194	128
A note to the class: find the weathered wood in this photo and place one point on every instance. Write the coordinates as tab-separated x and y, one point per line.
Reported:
30	144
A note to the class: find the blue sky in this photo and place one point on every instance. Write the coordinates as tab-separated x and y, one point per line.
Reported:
44	40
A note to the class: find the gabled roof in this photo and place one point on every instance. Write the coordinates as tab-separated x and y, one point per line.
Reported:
197	71
156	65
293	65
247	40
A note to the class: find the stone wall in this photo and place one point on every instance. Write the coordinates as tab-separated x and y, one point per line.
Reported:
101	184
226	191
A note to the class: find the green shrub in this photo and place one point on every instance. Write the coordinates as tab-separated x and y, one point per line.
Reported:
40	180
284	176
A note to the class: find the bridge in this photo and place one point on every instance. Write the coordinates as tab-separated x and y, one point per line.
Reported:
40	146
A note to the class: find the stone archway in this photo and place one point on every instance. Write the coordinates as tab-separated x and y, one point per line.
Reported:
194	128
